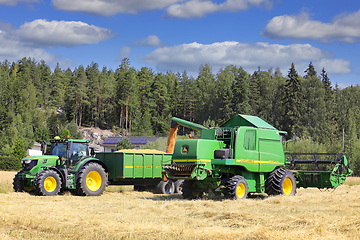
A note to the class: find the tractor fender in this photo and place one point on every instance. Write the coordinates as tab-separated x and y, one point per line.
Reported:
87	161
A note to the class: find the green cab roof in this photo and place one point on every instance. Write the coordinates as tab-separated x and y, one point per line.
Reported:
247	120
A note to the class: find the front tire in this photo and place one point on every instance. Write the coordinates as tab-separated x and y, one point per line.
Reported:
92	180
237	188
190	191
281	181
47	183
21	185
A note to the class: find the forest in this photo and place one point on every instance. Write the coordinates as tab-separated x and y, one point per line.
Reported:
38	103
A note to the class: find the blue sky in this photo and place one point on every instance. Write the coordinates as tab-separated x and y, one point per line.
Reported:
178	35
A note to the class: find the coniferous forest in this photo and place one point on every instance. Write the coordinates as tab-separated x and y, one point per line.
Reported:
37	103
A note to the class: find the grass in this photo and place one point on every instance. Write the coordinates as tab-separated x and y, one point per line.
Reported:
125	214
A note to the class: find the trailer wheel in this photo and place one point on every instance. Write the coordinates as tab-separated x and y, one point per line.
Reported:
189	190
21	185
178	185
165	187
237	187
92	180
47	183
281	181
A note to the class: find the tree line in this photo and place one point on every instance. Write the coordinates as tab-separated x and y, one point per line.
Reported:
37	103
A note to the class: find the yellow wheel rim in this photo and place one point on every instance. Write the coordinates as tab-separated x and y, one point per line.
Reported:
240	190
287	186
93	181
50	184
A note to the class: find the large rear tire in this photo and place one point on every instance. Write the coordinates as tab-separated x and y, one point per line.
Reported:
190	191
92	180
47	183
237	188
165	187
281	181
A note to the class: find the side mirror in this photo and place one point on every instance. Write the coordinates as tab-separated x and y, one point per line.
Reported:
43	147
92	152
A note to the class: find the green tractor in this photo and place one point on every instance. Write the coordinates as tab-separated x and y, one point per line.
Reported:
69	165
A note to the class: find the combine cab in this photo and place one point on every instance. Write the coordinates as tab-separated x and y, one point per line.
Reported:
245	155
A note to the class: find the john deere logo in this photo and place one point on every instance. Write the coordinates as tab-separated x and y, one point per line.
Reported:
185	149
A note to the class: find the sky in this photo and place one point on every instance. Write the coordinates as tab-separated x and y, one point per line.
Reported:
178	35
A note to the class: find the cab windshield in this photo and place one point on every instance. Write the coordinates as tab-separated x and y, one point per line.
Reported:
78	151
59	149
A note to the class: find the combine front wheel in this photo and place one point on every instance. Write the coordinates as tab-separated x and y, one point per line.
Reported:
281	181
237	187
92	180
189	190
47	183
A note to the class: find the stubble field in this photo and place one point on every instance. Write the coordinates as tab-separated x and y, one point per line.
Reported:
119	214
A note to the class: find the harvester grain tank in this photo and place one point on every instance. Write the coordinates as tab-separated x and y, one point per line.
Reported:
246	155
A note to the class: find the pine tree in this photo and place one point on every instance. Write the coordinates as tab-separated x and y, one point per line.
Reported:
225	80
292	102
241	92
206	95
19	151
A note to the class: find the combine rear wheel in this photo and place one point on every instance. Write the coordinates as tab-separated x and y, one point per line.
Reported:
165	187
21	185
189	190
281	181
92	180
237	187
47	183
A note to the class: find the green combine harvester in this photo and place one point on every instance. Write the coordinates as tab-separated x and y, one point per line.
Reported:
245	155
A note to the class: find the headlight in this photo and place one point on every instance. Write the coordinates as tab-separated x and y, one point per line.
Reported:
29	164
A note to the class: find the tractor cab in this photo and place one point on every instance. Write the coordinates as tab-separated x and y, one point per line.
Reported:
69	151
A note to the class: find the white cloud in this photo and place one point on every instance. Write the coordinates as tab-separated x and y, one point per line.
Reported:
344	27
15	2
199	8
43	33
151	40
249	56
13	50
174	8
111	7
123	53
336	66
